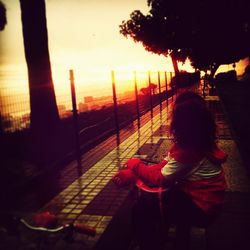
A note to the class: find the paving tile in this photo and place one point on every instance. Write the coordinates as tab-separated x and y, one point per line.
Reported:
93	199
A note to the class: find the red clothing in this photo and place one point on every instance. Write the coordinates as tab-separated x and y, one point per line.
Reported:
208	194
199	175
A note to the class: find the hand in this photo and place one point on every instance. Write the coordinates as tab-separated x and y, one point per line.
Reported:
124	177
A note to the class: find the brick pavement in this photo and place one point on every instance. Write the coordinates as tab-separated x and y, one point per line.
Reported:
94	200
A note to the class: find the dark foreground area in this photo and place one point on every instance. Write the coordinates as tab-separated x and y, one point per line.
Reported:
235	98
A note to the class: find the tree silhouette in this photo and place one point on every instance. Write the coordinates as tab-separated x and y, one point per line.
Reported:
210	32
224	38
3	20
44	113
146	90
161	31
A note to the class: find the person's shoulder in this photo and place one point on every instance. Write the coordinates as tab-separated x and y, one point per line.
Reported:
216	155
185	156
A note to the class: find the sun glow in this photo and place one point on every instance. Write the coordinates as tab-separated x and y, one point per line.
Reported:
83	36
186	66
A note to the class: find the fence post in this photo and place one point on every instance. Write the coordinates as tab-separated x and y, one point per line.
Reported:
115	102
166	86
137	101
172	87
75	117
159	86
150	93
1	126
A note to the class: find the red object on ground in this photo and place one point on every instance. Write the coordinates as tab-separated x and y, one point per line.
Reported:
80	228
45	219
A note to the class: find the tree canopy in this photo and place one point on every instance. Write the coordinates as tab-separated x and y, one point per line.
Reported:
156	31
223	34
209	32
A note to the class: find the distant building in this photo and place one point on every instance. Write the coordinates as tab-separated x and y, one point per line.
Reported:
63	112
26	118
128	95
88	99
83	107
95	107
61	109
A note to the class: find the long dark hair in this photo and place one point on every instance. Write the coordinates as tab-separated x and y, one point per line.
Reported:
192	124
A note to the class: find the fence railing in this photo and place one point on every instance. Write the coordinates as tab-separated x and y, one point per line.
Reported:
15	107
126	107
89	117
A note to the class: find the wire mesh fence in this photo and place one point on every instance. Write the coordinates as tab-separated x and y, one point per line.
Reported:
14	105
102	107
90	97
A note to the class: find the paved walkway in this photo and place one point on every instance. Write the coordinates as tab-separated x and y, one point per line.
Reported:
94	200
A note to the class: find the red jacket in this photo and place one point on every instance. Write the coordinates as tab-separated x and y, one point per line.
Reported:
199	175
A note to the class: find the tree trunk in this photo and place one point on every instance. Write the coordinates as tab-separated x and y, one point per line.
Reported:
213	71
175	81
1	125
44	115
44	112
3	20
175	65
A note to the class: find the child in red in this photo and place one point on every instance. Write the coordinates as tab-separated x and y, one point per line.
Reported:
191	171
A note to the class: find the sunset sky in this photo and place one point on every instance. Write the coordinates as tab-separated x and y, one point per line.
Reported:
83	36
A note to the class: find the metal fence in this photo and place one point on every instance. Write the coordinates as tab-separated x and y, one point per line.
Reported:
129	88
89	113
